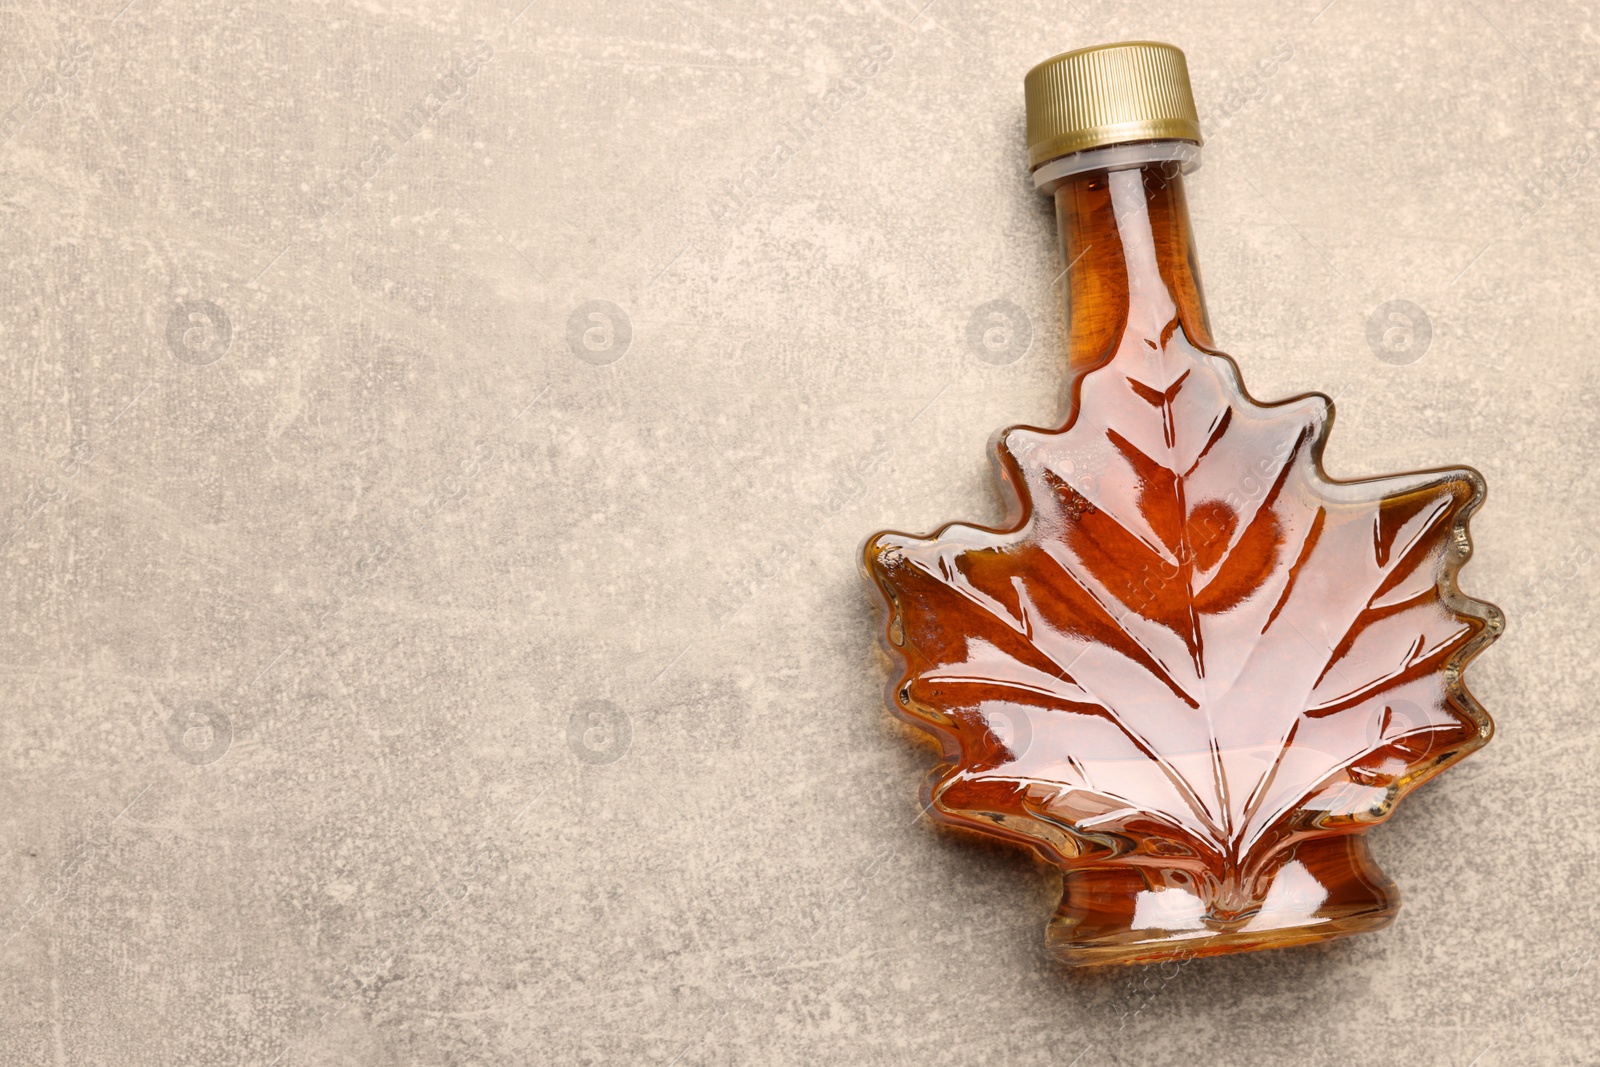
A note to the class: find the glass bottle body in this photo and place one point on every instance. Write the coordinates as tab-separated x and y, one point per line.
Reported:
1191	670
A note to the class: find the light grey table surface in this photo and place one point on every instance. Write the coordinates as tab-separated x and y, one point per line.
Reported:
396	674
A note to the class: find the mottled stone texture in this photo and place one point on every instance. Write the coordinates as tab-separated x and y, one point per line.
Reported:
435	439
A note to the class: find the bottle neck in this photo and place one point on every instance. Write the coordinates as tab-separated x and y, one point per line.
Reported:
1131	269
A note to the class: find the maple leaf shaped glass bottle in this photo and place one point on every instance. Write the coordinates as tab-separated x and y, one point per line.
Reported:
1191	669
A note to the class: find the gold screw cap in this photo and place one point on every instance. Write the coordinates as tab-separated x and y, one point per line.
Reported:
1108	94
